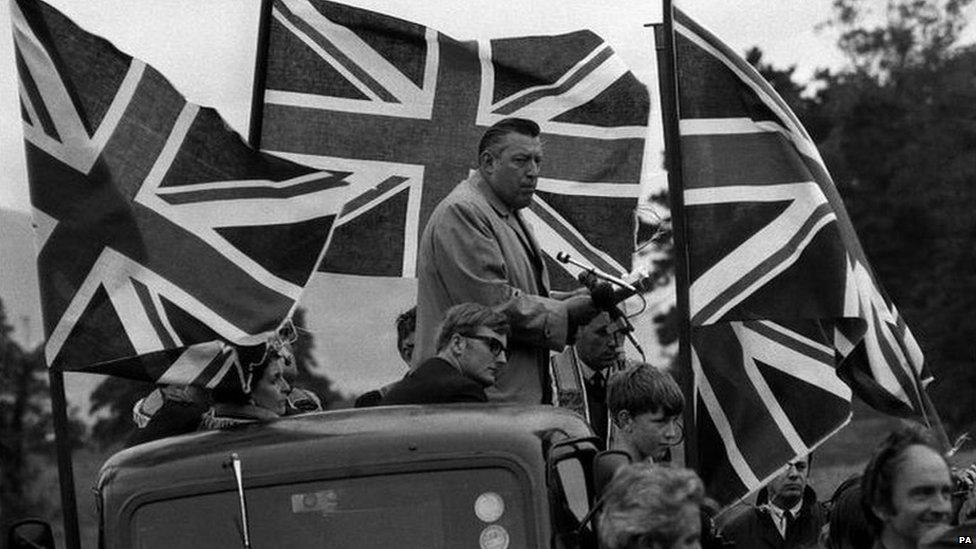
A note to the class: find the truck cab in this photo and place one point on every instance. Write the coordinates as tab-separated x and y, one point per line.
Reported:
482	476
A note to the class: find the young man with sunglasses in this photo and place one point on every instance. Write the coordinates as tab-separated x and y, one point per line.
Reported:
471	350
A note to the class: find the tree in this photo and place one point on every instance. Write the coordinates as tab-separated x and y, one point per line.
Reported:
910	33
307	365
26	424
900	147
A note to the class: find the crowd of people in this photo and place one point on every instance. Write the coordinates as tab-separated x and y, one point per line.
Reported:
488	329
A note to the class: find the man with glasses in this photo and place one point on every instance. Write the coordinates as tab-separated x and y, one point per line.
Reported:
471	350
478	247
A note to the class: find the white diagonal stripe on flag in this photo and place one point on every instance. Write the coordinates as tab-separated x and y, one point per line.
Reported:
722	425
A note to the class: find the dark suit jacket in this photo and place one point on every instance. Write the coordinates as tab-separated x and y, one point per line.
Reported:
754	527
435	381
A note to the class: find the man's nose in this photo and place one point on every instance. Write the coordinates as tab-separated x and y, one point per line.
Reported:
532	167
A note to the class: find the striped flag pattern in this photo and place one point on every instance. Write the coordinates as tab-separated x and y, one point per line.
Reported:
780	290
404	106
161	235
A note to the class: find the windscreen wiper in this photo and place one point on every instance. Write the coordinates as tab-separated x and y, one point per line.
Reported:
235	462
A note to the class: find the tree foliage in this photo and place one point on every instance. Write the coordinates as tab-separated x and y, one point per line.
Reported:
26	427
897	129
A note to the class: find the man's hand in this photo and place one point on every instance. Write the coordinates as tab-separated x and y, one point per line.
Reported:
581	310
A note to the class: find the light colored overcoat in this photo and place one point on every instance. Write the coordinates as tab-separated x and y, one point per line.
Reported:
475	249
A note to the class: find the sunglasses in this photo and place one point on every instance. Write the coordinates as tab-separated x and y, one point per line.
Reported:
495	346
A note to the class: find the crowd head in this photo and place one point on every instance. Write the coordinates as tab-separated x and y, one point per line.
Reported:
474	338
907	488
600	343
509	156
646	405
261	378
787	488
648	506
406	327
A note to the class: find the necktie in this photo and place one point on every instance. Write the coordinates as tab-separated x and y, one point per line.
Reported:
598	382
790	519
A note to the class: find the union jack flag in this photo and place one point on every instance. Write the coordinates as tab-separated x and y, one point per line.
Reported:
781	292
404	106
161	234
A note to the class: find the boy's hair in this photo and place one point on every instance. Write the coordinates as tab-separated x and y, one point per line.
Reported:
641	388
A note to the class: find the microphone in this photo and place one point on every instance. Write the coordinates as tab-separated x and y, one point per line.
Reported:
606	298
564	257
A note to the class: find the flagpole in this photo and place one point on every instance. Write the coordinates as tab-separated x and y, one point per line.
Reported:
256	120
930	414
668	82
66	476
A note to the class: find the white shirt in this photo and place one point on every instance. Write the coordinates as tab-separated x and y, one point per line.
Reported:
779	516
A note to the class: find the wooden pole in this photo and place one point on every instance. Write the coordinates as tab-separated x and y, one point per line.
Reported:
66	476
256	120
668	82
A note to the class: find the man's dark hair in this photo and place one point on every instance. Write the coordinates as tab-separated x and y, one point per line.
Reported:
500	129
466	318
641	388
879	475
406	324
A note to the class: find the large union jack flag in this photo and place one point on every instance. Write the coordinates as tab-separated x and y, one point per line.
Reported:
404	106
161	234
780	290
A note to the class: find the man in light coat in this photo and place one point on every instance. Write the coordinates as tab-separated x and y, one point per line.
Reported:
477	247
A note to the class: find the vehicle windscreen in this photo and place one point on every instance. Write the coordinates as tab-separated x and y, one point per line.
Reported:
483	508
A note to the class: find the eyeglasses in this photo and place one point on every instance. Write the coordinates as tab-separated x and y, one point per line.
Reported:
495	346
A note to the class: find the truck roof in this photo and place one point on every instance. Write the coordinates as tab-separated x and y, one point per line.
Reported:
345	442
337	445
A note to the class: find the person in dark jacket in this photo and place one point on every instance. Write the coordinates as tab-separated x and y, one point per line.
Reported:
471	348
787	514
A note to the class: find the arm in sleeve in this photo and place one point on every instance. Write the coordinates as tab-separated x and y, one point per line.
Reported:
472	268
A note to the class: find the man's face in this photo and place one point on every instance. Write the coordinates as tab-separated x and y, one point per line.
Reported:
405	346
514	168
599	343
920	494
483	355
652	433
786	490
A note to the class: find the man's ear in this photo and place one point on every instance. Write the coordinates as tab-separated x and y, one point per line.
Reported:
456	344
622	419
486	162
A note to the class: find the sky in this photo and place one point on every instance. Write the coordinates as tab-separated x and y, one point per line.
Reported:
206	49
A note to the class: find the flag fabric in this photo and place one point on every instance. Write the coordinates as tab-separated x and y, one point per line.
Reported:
404	106
161	235
781	292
